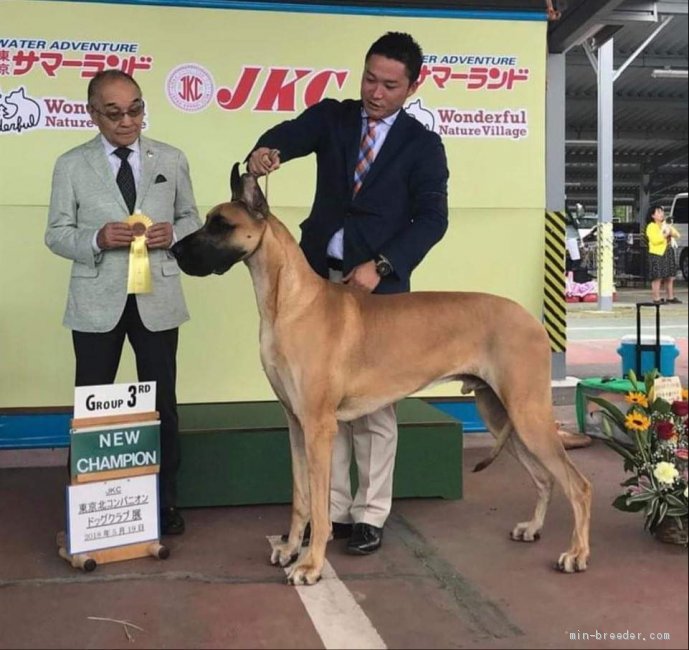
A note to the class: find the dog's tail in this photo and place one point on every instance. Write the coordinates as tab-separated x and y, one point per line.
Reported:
500	441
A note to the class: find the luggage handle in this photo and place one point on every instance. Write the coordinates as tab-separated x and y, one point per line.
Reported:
647	346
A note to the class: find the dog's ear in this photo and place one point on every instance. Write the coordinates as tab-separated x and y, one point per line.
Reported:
245	189
236	183
253	197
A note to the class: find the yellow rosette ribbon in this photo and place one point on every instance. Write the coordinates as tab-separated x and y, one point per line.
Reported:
139	280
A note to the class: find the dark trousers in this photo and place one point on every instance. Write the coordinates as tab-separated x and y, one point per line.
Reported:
98	357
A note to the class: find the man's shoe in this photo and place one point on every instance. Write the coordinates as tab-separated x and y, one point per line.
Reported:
365	539
340	531
674	301
171	522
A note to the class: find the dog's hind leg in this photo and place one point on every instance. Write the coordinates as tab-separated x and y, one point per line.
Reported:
537	432
493	413
286	553
319	431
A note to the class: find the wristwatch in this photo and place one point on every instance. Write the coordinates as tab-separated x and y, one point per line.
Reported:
383	266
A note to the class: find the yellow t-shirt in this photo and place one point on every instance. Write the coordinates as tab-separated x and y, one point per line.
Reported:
657	242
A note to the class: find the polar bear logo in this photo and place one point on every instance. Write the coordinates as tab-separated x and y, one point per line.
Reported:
18	112
423	115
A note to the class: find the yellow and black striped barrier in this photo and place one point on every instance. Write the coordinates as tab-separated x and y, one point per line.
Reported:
554	305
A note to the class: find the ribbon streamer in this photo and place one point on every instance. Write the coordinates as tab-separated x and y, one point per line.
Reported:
139	279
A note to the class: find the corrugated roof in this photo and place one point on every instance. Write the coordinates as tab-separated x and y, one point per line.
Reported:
650	130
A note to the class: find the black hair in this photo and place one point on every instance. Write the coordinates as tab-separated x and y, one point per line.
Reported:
400	47
104	76
651	210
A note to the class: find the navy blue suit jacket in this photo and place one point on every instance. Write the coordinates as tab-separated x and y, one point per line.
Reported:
400	210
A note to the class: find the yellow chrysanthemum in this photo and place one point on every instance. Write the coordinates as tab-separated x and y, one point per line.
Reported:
637	421
665	472
685	394
637	398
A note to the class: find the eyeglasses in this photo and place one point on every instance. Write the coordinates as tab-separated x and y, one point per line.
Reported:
118	116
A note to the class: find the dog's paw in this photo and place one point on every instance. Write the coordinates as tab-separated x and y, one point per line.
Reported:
303	574
283	555
572	562
525	531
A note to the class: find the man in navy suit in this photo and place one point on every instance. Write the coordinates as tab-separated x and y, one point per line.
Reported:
380	206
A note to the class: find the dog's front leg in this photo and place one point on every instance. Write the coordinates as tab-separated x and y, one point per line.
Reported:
318	435
285	553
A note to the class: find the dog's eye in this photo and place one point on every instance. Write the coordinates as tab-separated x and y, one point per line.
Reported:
218	226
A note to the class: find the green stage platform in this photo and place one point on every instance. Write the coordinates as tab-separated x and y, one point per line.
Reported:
238	454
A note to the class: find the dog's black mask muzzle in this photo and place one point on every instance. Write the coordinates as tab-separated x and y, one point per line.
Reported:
198	255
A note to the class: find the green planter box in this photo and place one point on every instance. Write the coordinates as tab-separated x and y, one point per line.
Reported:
238	454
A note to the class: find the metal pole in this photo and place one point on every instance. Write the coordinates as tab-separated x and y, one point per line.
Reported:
605	138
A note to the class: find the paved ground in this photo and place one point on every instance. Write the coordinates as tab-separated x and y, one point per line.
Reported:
446	577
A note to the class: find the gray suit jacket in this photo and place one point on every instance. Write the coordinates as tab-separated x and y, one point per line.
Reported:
84	197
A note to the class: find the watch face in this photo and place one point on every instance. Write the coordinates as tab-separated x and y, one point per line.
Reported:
383	268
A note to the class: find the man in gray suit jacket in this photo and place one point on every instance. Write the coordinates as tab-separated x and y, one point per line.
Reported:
96	186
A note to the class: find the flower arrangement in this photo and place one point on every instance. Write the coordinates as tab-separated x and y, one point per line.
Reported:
656	454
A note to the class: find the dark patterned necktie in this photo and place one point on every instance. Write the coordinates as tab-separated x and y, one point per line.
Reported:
125	178
366	153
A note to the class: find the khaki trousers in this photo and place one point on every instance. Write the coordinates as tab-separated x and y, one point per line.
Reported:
373	438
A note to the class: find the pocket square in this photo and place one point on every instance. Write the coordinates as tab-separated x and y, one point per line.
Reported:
160	179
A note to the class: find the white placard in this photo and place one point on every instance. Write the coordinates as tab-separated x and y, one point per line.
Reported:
105	514
114	399
668	388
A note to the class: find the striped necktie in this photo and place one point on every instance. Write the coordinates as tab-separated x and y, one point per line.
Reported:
366	154
125	178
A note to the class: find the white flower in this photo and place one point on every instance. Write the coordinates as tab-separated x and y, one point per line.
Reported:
686	492
665	472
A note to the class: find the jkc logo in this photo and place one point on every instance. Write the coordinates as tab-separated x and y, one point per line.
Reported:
279	89
190	87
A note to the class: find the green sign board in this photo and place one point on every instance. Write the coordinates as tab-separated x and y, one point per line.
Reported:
114	448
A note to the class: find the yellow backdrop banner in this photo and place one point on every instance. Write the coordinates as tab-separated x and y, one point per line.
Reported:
215	79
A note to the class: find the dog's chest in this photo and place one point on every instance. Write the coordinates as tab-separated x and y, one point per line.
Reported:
274	363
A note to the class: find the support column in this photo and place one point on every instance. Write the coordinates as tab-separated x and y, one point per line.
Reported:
555	174
605	139
644	195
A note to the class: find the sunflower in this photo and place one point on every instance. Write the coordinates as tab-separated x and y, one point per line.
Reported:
636	421
637	398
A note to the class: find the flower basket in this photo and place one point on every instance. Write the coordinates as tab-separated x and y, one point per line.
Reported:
672	531
654	451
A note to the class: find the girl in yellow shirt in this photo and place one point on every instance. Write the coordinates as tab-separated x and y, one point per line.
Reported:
662	266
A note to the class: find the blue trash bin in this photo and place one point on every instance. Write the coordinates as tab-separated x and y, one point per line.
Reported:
668	354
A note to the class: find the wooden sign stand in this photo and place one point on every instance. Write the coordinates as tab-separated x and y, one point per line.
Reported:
87	561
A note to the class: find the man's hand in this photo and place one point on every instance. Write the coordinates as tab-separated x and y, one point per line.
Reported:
159	235
364	277
263	161
114	235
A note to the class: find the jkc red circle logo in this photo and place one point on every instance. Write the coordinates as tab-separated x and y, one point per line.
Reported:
190	87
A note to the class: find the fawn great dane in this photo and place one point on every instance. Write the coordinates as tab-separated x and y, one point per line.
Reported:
332	352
